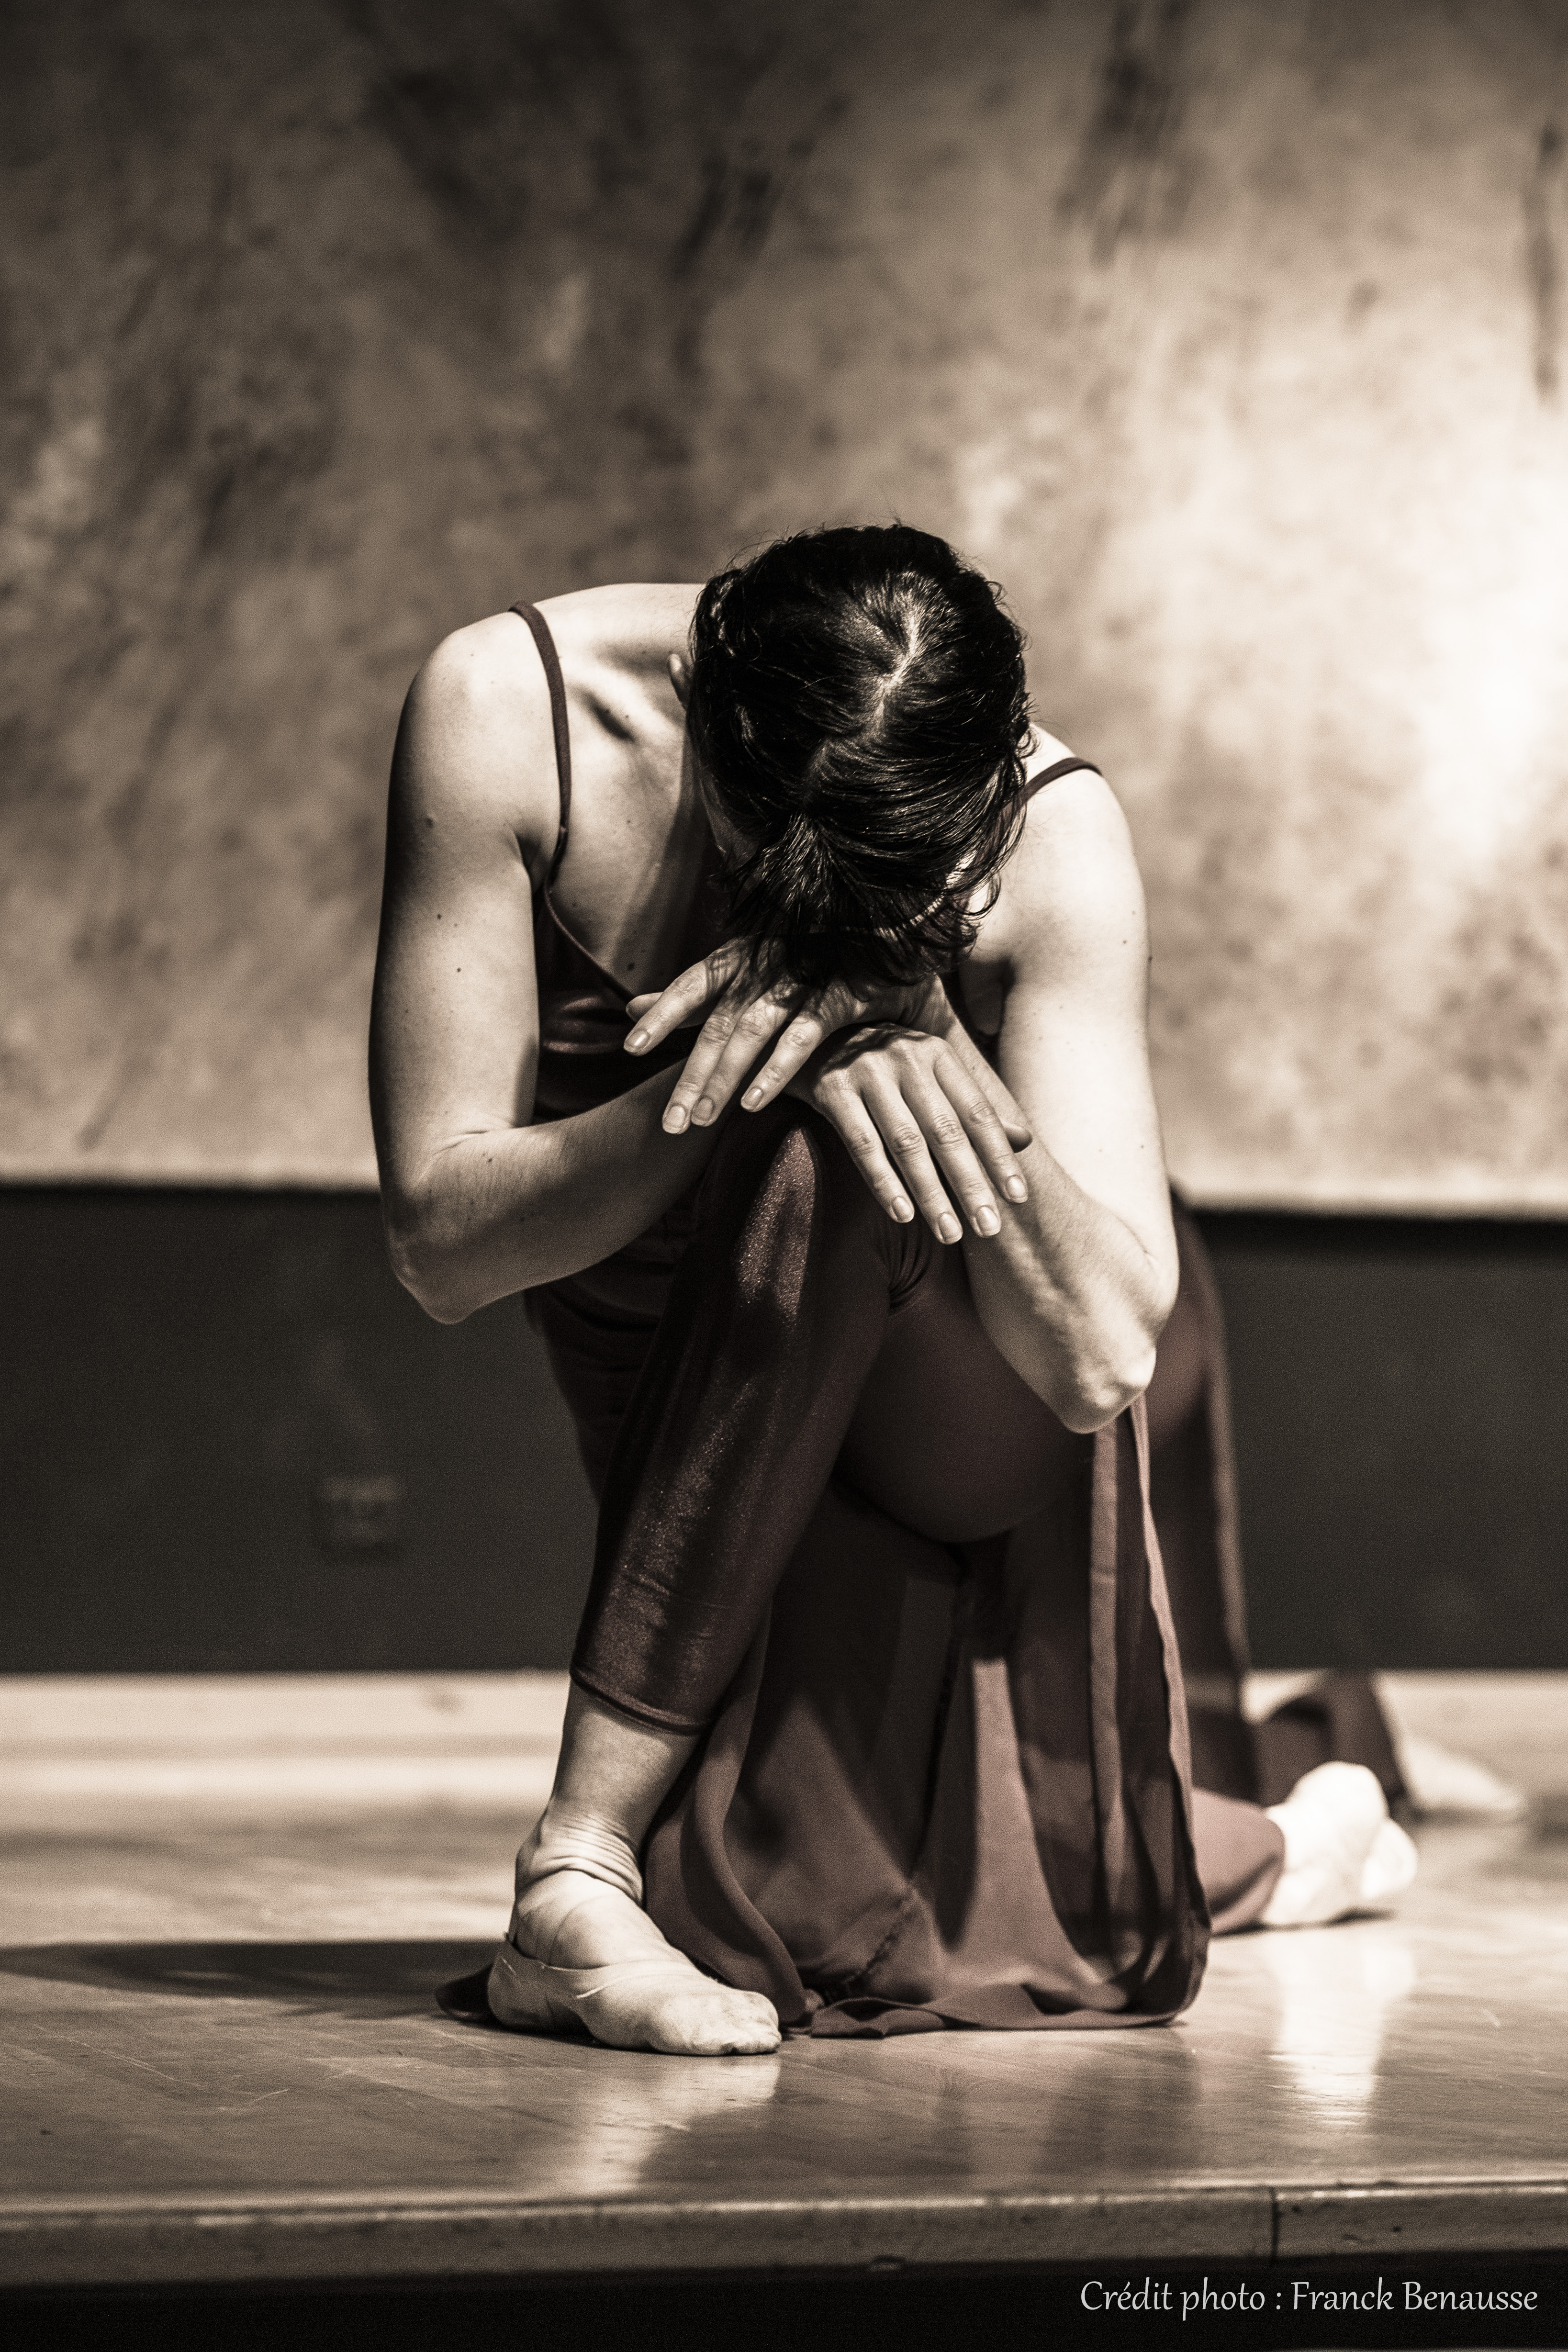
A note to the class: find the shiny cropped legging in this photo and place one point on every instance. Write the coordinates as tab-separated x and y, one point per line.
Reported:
807	1339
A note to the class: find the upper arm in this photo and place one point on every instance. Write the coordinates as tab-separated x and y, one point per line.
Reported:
455	1026
1072	929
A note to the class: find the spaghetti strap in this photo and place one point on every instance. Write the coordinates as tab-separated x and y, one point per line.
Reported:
1059	768
552	660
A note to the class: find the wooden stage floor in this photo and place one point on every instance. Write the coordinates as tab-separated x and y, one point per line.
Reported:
221	2063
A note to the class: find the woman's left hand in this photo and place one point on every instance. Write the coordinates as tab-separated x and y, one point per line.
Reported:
922	1116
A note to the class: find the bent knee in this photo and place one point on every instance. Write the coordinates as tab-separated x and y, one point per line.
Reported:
793	1155
794	1150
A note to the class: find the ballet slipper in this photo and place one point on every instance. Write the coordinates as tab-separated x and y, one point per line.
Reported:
665	2005
1390	1866
621	1981
1342	1851
581	1955
558	1842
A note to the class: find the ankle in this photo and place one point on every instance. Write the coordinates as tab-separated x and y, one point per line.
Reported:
589	1843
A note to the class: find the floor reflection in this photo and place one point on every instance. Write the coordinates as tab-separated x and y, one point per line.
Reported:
1337	1989
629	2123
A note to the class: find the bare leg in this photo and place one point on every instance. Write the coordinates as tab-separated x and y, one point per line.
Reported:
580	1945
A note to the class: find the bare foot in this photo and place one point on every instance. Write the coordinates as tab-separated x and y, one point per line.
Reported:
1342	1851
581	1950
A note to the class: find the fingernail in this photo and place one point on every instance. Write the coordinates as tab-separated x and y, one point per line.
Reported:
949	1228
987	1221
703	1113
675	1120
753	1097
902	1210
636	1041
1016	1188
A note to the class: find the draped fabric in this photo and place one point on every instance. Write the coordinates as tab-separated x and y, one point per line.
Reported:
924	1628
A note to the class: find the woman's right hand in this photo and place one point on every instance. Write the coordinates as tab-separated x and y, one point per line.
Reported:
742	1015
912	1094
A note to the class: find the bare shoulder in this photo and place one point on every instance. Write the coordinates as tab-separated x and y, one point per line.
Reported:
475	747
1071	897
625	624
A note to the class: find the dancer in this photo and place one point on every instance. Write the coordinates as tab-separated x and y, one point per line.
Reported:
876	1721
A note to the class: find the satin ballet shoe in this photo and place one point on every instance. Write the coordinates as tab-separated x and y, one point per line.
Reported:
610	2003
1389	1867
585	1904
1342	1851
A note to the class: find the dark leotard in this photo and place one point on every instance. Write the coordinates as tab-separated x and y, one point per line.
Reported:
923	1629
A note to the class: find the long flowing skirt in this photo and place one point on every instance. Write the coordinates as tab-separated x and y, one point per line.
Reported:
943	1774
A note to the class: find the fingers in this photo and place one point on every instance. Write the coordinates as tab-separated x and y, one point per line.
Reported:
732	1037
843	1105
678	1005
904	1141
837	1006
935	1140
992	1124
1013	1125
934	1154
743	1019
801	1038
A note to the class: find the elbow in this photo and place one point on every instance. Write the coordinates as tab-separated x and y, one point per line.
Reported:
1096	1388
1114	1370
1097	1361
1094	1395
1086	1376
428	1265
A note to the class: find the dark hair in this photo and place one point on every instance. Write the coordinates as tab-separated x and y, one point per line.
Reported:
857	699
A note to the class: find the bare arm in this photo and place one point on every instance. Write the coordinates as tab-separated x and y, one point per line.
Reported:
1073	1270
1075	1288
1057	1170
479	1203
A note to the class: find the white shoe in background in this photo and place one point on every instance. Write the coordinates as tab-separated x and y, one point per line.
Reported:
1389	1868
1342	1853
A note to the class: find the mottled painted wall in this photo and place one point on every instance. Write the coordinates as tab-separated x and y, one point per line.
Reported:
1227	333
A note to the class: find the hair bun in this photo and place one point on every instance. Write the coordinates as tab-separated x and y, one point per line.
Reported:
859	699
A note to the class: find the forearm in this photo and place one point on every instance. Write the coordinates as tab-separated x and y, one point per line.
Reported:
508	1208
1067	1290
1069	1296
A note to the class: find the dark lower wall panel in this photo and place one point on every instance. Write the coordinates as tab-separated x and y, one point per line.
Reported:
234	1442
1400	1391
230	1442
